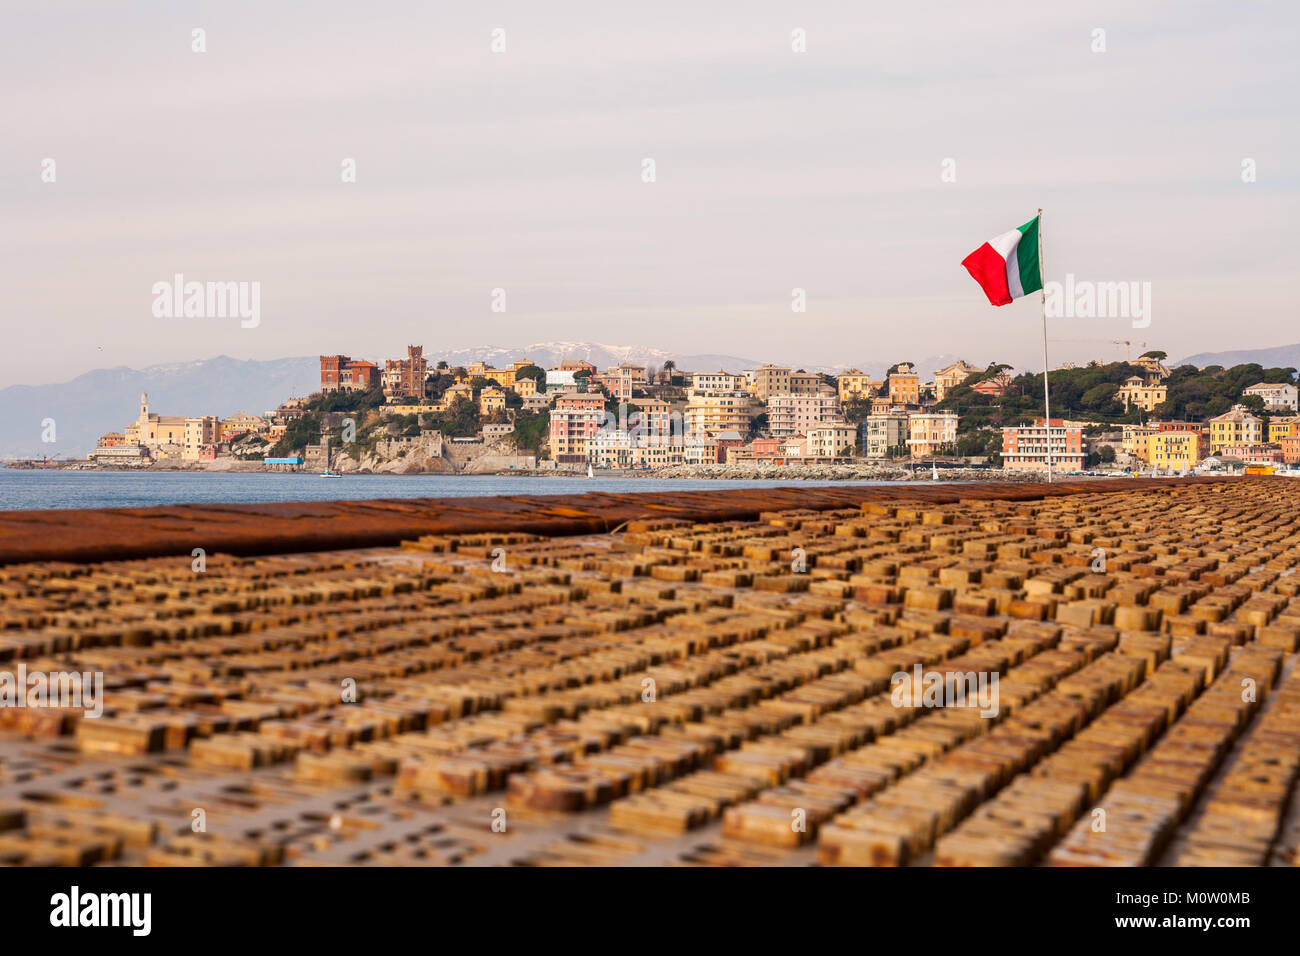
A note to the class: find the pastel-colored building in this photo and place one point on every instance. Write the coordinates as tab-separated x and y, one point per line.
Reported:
831	440
853	384
929	433
1136	391
1277	396
950	376
791	415
905	386
885	433
1173	449
1025	447
1235	427
575	420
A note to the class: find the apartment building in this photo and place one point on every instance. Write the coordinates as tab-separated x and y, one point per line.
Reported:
885	433
621	381
929	432
1134	440
338	373
610	448
853	384
1283	427
950	376
1235	427
1136	391
404	378
905	386
202	435
790	415
709	413
1290	446
1025	447
575	420
652	417
771	380
806	383
830	440
704	382
1277	396
1173	449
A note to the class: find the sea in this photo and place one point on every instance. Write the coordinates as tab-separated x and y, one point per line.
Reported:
24	489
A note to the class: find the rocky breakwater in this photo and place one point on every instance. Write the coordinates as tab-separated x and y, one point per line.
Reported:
851	471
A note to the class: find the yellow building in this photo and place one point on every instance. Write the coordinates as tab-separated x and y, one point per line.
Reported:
1134	441
951	376
1287	427
853	384
1173	449
709	413
1135	391
241	424
905	386
1237	427
491	400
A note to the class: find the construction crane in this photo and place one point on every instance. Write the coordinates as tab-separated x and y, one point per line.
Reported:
1128	345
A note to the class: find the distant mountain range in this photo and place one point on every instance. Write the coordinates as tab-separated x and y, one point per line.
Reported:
108	399
547	354
1280	356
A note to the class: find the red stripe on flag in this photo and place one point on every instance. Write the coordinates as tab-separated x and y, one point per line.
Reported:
990	270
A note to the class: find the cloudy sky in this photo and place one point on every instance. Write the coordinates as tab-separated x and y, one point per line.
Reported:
522	170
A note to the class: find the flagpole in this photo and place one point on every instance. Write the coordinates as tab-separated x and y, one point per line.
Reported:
1042	299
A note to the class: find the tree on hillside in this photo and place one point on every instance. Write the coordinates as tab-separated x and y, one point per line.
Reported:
535	372
1194	394
856	409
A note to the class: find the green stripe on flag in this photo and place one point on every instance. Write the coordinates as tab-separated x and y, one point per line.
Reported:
1031	277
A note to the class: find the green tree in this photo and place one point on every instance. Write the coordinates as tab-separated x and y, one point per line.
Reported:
535	372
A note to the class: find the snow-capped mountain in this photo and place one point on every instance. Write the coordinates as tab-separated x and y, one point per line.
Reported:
602	355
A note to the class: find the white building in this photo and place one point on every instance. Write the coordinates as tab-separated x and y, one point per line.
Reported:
1277	396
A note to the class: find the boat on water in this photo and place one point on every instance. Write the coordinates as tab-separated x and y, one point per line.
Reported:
590	473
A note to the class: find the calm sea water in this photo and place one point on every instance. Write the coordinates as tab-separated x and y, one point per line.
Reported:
23	489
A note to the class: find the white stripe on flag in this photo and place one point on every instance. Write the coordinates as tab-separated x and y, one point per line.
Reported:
1013	271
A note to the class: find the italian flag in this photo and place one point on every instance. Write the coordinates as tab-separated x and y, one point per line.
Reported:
1006	267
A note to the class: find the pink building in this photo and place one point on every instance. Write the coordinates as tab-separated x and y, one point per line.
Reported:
575	419
1024	448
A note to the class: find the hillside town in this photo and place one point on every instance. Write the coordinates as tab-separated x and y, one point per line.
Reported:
410	415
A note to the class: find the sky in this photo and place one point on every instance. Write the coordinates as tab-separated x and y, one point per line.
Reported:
861	170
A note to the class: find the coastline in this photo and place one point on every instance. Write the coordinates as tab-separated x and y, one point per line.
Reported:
848	471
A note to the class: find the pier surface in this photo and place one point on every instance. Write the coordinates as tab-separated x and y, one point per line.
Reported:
652	679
